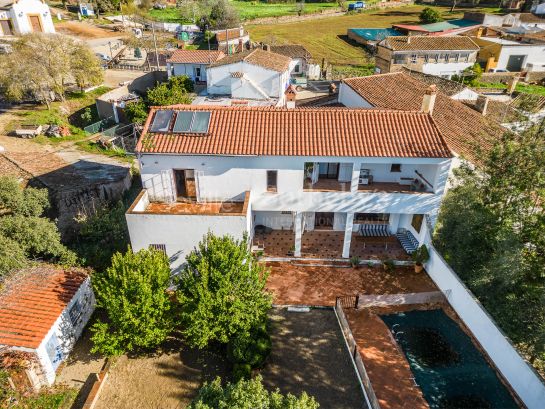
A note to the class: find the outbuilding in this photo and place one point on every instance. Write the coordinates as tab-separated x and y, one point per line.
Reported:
192	63
25	16
43	311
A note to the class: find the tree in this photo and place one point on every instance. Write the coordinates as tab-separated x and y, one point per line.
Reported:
221	291
429	15
165	94
42	65
490	229
136	112
248	394
133	294
24	233
223	15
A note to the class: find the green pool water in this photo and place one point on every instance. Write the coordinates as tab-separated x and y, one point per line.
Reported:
448	368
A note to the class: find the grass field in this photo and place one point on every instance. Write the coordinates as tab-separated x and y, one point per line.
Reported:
326	37
249	10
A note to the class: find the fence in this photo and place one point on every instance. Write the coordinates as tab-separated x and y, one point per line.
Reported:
521	376
370	396
99	126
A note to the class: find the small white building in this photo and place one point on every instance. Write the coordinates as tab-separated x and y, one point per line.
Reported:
25	16
232	40
499	54
192	63
250	75
43	311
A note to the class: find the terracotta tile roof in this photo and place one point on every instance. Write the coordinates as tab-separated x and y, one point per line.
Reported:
31	302
301	132
499	111
265	59
195	56
531	18
291	51
447	87
232	33
462	127
416	43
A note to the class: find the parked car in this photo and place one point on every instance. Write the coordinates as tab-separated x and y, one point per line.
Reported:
355	6
103	57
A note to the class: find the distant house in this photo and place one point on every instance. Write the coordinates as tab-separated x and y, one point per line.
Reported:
250	75
300	57
25	16
192	63
43	312
499	54
443	56
449	27
452	89
232	40
370	37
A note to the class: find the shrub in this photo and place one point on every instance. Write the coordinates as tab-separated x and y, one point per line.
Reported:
242	371
250	348
421	255
429	15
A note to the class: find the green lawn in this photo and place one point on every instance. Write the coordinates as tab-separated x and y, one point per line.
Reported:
526	88
168	15
250	10
326	37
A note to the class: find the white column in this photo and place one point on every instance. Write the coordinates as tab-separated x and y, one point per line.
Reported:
355	177
298	233
348	234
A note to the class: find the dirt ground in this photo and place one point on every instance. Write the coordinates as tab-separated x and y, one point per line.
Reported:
297	283
166	380
84	30
309	355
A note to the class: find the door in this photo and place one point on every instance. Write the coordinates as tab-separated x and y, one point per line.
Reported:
197	73
345	173
514	64
185	184
6	27
35	23
329	170
323	220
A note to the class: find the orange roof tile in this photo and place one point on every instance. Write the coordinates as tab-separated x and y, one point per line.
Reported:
302	132
195	56
32	301
417	43
231	33
259	57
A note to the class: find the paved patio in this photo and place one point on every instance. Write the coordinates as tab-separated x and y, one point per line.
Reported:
329	244
307	283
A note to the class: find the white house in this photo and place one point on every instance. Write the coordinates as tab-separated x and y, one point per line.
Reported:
234	170
192	63
250	75
25	16
43	312
299	55
506	55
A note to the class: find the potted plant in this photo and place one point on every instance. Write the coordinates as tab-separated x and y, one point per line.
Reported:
420	256
388	265
354	261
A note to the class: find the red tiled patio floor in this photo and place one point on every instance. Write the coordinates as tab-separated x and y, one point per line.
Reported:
303	283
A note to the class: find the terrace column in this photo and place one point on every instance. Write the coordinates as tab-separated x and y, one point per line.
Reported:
298	226
355	178
348	234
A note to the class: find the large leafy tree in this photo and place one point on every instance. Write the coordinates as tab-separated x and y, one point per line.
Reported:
248	394
430	15
221	291
24	233
491	231
133	294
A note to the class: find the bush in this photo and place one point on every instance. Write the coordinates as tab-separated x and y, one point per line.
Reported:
421	255
429	15
242	371
250	348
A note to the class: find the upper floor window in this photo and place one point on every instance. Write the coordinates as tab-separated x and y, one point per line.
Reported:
400	59
297	68
272	180
413	58
426	58
447	57
464	57
416	222
456	57
396	167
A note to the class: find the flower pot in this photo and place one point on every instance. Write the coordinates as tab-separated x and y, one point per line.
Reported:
418	268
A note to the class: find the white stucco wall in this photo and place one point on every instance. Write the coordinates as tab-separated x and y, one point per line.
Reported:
445	69
186	69
534	53
351	98
19	16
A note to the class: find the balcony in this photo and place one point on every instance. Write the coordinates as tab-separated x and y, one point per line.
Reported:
326	185
389	187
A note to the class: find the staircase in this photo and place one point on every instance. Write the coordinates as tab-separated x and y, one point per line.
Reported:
407	240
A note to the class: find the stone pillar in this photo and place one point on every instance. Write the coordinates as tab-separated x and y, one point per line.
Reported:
348	234
298	226
355	177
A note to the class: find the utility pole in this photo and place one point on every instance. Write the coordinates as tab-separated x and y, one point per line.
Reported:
207	34
155	45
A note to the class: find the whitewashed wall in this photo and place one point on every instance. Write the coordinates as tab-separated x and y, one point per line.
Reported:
446	69
21	24
534	54
520	375
186	69
351	99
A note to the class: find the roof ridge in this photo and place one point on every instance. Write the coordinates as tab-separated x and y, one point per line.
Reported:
278	109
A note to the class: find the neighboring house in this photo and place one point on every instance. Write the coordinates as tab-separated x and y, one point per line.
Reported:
43	311
232	40
250	75
192	63
492	20
450	88
442	28
299	55
25	16
498	54
462	127
236	170
443	56
370	37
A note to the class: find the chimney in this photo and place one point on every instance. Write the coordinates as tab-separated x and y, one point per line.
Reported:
481	104
241	31
408	39
290	94
479	32
512	84
428	102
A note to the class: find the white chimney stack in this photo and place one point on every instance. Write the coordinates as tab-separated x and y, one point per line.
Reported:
428	102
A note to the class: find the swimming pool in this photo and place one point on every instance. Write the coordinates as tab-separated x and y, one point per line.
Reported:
449	369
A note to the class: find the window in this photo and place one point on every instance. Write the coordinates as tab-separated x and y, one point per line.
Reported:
447	57
396	167
416	222
75	312
464	57
159	247
272	179
413	58
297	68
426	58
400	59
436	58
6	28
456	57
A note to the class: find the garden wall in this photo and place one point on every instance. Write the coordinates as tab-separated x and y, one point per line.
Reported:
521	376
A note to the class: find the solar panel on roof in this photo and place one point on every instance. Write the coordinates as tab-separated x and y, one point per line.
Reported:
161	121
200	122
183	121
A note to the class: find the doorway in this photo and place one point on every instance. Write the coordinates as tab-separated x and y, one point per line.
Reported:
185	184
35	23
197	73
329	170
323	220
6	27
514	63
